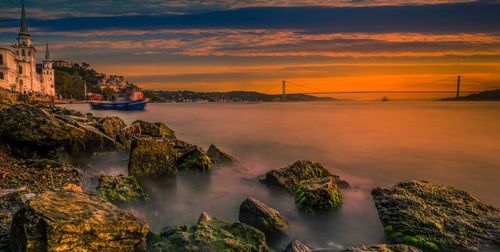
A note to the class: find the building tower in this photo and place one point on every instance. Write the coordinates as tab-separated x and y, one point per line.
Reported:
47	80
25	57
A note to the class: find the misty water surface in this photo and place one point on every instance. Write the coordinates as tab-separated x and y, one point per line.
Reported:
367	144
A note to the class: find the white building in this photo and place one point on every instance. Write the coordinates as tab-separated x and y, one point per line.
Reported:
18	66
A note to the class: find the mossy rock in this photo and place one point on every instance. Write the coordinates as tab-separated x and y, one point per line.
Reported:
297	246
436	217
155	129
111	126
211	234
220	157
151	158
318	195
291	176
195	159
266	219
383	248
120	189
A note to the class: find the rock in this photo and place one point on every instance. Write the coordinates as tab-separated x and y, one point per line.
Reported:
318	195
72	221
120	189
111	126
7	99
290	177
220	157
211	234
297	246
126	134
383	248
264	218
182	147
10	202
5	222
433	217
194	160
151	158
155	129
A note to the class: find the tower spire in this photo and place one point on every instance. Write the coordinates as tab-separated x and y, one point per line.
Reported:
47	52
24	25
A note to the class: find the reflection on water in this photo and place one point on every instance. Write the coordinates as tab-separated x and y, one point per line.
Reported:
368	144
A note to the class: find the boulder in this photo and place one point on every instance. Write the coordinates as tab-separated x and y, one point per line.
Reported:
155	129
151	158
73	221
436	217
220	157
120	189
318	195
264	218
297	246
383	248
10	202
111	126
194	159
7	99
126	134
211	234
290	177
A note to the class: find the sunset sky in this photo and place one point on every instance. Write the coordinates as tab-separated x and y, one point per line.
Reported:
321	45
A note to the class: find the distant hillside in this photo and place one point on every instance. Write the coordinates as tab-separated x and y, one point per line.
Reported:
489	95
234	96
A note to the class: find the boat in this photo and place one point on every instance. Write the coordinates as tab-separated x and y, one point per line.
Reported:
130	100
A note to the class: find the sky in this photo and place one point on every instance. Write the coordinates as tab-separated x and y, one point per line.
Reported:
315	45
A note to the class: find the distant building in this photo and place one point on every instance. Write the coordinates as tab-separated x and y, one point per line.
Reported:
18	65
62	63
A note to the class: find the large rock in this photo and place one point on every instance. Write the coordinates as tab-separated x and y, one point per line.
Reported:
291	176
39	130
438	217
152	157
383	248
10	202
155	129
318	195
111	126
211	234
297	246
268	220
72	221
7	99
120	189
128	133
220	157
194	159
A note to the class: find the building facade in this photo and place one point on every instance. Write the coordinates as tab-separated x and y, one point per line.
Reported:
18	70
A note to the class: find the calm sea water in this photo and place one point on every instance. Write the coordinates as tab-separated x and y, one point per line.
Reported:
368	144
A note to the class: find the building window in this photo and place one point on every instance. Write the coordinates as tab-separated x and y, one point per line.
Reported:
29	53
20	70
24	53
1	76
1	59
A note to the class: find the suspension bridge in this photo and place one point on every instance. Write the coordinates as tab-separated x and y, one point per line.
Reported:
457	85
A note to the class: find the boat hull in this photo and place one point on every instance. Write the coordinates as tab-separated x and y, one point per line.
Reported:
133	105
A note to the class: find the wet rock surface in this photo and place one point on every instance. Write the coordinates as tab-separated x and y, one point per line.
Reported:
297	246
72	221
152	157
266	219
111	126
383	248
155	129
120	189
291	176
10	202
211	234
318	195
220	157
194	159
436	217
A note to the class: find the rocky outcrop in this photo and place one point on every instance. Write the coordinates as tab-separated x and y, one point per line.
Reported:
297	246
436	217
155	129
220	157
194	159
120	189
38	130
318	195
111	126
72	221
10	202
383	248
126	134
259	215
152	157
7	99
291	176
211	234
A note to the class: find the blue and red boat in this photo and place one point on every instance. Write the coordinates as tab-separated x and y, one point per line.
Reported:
132	100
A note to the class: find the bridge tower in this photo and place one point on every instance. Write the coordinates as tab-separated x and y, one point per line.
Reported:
458	86
284	91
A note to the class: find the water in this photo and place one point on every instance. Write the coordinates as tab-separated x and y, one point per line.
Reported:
367	144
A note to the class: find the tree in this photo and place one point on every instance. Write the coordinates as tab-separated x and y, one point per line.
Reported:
108	93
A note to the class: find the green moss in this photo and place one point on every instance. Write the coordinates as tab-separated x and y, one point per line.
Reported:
417	240
318	195
195	160
120	189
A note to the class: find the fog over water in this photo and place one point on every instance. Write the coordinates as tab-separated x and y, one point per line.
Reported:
367	144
